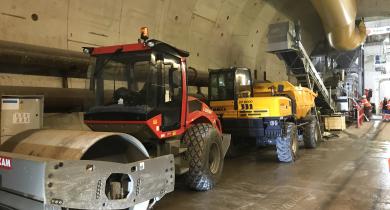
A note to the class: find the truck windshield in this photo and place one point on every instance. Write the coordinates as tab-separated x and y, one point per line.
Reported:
227	84
243	83
138	83
222	86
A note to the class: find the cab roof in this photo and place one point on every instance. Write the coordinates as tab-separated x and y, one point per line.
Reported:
153	44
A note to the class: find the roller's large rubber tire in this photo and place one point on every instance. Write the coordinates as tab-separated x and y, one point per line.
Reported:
287	146
311	133
205	156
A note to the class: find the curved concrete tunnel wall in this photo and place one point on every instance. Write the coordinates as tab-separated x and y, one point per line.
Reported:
218	33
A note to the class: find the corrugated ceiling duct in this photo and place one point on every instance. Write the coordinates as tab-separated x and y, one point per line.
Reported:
338	18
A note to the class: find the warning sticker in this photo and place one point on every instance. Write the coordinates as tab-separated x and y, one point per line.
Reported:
10	104
21	118
141	166
5	163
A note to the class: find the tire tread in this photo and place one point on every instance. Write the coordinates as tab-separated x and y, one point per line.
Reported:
196	140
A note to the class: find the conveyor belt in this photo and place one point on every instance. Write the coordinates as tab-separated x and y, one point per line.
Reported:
299	64
284	42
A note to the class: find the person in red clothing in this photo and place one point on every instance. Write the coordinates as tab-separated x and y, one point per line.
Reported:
384	105
365	102
367	106
387	111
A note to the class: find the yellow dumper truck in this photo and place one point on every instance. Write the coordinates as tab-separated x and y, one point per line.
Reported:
272	113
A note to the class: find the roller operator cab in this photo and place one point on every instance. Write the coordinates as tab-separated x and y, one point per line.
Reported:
141	89
266	113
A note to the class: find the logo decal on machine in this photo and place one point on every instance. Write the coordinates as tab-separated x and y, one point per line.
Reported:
5	163
207	110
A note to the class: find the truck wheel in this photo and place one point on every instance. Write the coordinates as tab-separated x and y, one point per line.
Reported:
204	155
311	133
287	146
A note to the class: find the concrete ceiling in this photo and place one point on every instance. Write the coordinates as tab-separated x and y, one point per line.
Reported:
373	8
218	33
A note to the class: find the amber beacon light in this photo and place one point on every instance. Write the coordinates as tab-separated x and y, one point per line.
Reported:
144	33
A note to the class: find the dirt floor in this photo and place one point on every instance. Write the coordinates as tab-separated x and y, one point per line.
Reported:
348	172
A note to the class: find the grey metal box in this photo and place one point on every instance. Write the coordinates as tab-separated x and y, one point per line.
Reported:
20	113
342	104
280	36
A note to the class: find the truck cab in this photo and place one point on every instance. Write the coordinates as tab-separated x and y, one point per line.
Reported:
226	86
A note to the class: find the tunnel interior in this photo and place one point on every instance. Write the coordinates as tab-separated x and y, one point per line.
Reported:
338	50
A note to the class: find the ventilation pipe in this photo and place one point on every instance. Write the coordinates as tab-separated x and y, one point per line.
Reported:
338	18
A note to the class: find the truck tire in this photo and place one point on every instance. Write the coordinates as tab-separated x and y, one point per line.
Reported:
311	133
287	145
205	156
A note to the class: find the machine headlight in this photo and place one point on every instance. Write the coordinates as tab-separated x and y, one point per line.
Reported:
150	44
273	123
85	51
88	50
